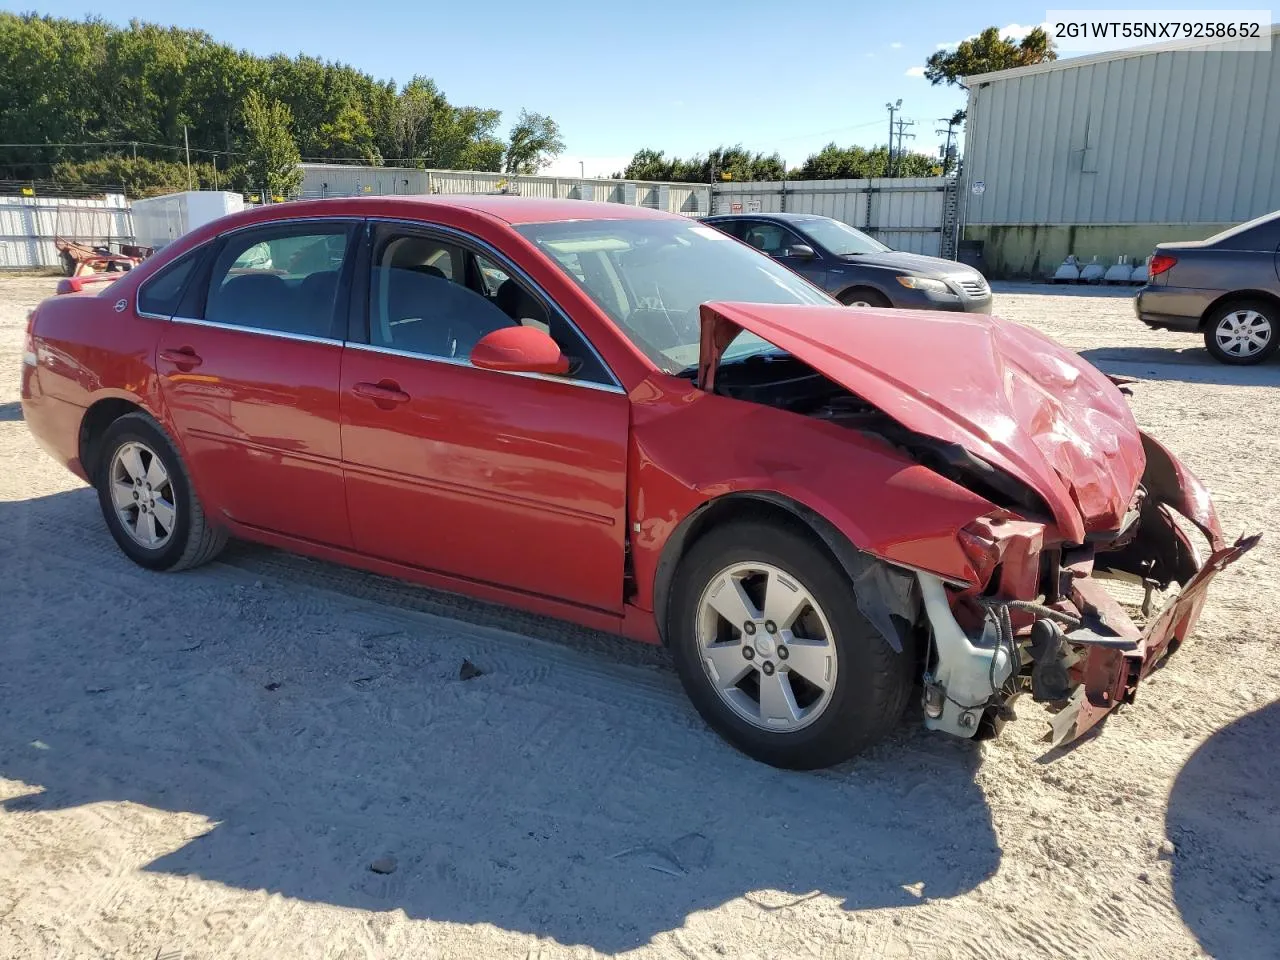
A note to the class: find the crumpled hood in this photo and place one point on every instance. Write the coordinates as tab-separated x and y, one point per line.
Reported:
1004	392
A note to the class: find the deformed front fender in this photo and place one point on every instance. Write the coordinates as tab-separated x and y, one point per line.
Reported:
1168	481
881	591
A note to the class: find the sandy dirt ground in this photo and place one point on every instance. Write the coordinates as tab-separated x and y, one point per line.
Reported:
206	765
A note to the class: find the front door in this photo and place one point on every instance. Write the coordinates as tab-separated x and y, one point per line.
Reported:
249	371
508	479
778	242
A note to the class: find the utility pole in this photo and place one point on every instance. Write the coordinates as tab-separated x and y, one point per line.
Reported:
947	156
215	171
902	126
888	164
187	143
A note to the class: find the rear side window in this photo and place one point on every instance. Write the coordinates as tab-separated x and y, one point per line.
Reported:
160	295
282	278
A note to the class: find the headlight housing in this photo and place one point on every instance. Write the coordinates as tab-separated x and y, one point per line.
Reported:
926	284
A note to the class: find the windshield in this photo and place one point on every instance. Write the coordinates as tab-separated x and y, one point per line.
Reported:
840	239
651	276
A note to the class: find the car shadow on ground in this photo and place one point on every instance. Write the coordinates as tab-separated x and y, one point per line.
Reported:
10	412
1224	821
560	793
1188	364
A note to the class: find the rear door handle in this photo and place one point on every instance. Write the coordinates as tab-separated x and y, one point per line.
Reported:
385	391
184	357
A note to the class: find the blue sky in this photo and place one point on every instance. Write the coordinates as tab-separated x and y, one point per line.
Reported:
680	77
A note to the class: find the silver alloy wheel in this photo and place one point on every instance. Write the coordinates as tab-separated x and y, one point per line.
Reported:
766	646
859	303
143	495
1243	333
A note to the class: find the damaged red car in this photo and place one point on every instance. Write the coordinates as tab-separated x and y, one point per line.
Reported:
631	421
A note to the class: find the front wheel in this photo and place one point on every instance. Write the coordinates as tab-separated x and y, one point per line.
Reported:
864	297
774	653
1242	333
147	498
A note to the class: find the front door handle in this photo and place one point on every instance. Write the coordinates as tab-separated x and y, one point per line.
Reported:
382	392
184	358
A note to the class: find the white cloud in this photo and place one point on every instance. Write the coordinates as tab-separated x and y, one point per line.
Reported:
1014	31
895	46
915	72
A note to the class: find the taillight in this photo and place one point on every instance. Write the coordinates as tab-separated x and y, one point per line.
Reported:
29	342
1160	262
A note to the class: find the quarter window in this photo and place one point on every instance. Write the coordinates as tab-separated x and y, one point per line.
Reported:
161	295
283	279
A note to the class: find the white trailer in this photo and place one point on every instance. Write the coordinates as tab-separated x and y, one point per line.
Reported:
158	221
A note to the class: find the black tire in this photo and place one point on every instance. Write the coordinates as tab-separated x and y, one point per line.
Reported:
1217	315
68	264
194	539
873	682
872	298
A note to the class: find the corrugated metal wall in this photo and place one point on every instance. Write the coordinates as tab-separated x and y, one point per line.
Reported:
28	226
1175	136
907	213
342	180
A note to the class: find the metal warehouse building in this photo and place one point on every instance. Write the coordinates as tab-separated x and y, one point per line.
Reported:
1108	155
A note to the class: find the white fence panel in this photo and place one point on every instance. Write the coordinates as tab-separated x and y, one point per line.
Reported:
28	226
350	180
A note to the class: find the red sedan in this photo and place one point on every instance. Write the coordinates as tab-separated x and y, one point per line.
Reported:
634	422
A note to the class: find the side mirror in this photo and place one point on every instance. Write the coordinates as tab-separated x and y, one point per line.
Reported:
801	250
519	350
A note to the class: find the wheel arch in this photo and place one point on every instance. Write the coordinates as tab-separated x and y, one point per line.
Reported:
879	605
1242	296
863	285
101	414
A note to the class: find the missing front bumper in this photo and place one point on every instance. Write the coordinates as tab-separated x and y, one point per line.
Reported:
1096	662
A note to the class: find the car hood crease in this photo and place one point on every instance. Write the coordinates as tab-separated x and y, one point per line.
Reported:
1004	392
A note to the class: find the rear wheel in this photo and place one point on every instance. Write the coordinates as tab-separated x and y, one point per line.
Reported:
1243	332
774	653
147	499
864	297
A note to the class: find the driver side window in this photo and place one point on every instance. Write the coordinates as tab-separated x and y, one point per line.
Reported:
432	297
419	301
772	239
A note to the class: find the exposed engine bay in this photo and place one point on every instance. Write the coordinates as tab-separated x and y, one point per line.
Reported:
1038	620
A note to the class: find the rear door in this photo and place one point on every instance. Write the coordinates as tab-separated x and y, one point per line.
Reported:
517	480
249	370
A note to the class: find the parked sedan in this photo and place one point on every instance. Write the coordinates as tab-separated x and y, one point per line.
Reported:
628	420
857	269
1226	288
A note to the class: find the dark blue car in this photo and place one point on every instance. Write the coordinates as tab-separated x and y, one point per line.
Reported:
857	269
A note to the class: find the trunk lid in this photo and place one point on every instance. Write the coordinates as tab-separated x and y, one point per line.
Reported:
1004	392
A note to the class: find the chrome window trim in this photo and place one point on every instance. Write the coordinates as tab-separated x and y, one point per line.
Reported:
260	331
467	364
519	273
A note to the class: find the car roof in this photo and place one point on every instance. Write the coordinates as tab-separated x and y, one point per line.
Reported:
505	207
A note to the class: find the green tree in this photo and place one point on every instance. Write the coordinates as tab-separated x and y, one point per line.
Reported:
272	155
134	90
533	143
349	136
986	52
722	163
